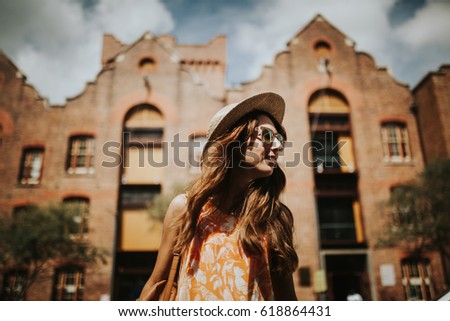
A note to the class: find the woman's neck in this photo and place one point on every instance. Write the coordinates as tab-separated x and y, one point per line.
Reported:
232	196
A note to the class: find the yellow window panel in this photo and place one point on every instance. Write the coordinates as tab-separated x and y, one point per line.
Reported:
145	118
139	231
328	103
346	154
358	222
144	166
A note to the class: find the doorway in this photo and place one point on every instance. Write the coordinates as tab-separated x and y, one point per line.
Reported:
346	274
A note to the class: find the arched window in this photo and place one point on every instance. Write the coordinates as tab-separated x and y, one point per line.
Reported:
142	176
80	158
328	101
332	145
339	213
322	48
147	65
142	138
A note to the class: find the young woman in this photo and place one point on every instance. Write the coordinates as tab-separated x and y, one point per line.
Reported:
233	233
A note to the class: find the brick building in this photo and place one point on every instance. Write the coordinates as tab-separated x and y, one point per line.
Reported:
432	110
130	135
432	106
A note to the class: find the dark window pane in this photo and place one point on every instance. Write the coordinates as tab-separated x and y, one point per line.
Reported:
336	219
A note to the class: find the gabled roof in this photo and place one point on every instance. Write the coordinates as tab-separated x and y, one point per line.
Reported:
316	19
172	52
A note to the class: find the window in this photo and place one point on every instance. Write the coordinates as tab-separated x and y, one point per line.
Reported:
143	158
80	208
332	143
395	142
322	48
325	151
14	285
138	196
81	155
196	145
147	65
31	166
68	284
416	279
328	101
340	221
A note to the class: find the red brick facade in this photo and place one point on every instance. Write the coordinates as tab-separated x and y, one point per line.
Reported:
432	99
187	85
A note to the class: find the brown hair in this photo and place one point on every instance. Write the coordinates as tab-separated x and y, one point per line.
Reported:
262	215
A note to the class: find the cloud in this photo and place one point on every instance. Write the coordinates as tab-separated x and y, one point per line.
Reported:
57	44
420	44
423	41
273	23
430	26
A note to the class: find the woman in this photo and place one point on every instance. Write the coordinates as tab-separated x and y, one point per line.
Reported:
233	233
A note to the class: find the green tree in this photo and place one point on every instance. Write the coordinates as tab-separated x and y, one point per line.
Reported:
419	214
37	238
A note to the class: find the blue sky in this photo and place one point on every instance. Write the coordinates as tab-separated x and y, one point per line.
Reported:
57	44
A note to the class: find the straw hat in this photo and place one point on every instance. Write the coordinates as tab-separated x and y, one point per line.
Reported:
270	103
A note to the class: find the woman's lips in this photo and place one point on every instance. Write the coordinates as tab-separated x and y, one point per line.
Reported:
271	162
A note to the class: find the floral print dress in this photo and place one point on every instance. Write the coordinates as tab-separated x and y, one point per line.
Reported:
215	267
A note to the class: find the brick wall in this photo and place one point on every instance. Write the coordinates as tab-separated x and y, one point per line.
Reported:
187	85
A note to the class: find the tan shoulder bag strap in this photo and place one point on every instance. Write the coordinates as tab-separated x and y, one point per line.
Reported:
172	275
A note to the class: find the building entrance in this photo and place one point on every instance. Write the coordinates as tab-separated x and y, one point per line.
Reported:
347	274
132	271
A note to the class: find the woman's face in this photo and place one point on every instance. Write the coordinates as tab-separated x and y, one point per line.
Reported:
261	155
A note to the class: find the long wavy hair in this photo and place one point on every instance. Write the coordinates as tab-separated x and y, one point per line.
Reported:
262	216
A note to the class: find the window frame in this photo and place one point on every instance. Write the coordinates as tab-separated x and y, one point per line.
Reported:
83	228
61	288
73	155
27	166
339	221
9	284
395	136
416	278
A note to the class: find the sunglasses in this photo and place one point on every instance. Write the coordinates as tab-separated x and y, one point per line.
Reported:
268	136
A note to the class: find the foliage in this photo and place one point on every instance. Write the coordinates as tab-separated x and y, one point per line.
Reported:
157	207
419	212
38	237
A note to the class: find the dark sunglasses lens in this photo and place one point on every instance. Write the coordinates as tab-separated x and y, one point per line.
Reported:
267	136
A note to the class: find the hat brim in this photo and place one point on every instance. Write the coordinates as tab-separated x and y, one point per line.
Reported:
270	103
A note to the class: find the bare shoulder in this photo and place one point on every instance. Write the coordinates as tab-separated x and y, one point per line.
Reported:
176	207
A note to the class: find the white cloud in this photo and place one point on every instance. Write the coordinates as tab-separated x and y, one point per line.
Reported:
430	26
365	22
58	45
127	20
411	50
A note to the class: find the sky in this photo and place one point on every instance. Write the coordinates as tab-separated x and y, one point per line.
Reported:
57	44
